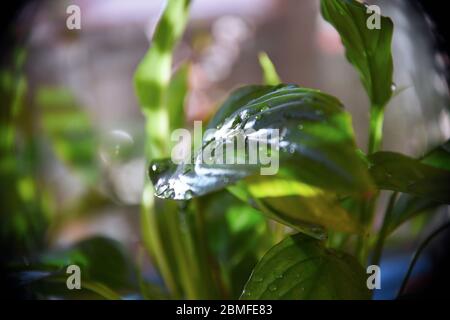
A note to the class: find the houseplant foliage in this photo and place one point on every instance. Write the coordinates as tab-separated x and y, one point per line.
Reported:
326	187
228	232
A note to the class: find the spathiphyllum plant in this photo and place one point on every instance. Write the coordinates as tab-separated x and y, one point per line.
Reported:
307	231
291	211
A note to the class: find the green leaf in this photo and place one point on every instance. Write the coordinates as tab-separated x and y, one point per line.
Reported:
407	207
70	131
238	236
301	206
236	100
152	78
438	157
317	158
316	146
153	73
100	260
369	51
393	171
103	263
24	217
270	73
176	95
301	268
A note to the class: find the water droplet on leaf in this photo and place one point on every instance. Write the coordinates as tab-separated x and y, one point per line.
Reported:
273	288
258	279
393	87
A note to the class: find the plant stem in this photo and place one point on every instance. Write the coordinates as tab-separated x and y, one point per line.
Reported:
368	209
152	239
182	254
378	249
376	129
210	271
158	133
419	250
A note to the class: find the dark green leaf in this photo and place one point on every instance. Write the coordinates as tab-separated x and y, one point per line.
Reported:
100	259
369	51
407	207
301	268
316	146
393	171
238	98
102	262
317	157
238	236
439	157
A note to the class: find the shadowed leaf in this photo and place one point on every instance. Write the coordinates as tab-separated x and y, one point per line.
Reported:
301	268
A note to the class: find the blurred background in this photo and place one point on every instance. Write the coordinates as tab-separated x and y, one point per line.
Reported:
76	87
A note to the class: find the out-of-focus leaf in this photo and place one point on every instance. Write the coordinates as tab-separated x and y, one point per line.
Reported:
153	72
238	237
69	130
152	77
368	50
301	268
152	292
316	146
102	262
176	94
270	73
393	171
24	219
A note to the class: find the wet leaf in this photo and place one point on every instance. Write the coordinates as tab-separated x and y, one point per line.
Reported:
316	146
301	268
236	100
